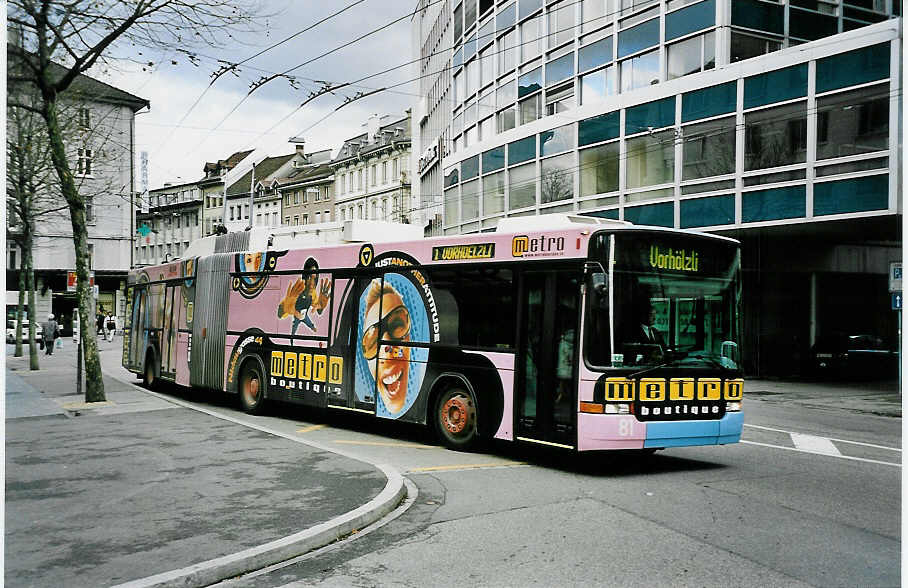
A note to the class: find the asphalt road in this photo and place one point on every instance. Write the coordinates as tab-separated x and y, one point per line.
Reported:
810	498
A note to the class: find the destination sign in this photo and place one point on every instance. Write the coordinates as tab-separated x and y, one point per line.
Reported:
461	252
685	260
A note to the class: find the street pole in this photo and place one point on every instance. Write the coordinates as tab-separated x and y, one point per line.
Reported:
77	335
224	207
252	196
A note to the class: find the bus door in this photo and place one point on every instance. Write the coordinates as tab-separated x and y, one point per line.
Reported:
168	334
546	365
357	391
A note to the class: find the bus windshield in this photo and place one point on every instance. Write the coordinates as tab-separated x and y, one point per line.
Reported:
674	300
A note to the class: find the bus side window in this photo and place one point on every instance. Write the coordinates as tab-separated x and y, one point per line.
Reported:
597	336
467	298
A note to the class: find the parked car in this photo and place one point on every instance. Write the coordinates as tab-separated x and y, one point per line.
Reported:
11	333
854	357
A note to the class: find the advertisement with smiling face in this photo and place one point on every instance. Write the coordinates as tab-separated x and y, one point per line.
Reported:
391	317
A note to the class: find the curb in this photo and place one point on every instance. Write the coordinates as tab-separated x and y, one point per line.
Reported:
279	550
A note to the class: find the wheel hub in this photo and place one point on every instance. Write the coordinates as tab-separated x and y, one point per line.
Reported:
455	414
251	388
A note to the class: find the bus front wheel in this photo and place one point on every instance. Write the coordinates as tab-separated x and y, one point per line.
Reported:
455	419
252	387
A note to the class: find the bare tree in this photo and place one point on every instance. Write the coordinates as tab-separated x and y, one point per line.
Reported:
62	40
29	195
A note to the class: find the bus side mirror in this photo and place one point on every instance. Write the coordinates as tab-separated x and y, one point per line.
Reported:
598	283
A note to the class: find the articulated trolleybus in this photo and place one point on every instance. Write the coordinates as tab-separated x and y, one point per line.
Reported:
574	332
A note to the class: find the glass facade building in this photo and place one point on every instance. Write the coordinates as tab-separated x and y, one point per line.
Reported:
744	117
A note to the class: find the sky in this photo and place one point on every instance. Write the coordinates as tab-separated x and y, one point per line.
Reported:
178	150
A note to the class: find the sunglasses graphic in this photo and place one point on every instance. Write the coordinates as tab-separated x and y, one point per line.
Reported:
395	326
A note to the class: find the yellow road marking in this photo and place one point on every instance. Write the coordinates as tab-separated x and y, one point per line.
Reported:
386	444
469	466
311	428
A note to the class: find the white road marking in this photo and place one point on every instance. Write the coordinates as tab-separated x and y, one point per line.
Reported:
887	448
814	444
889	463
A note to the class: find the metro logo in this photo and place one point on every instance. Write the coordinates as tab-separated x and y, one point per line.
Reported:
652	389
542	246
709	389
734	389
679	389
307	366
619	389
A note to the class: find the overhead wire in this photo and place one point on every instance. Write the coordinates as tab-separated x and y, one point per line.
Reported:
233	66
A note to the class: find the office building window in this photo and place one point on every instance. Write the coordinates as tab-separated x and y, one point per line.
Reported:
452	206
532	43
522	184
469	203
557	181
744	46
599	169
709	149
487	65
596	86
692	55
557	140
562	18
507	52
651	159
640	71
775	136
853	122
530	109
493	193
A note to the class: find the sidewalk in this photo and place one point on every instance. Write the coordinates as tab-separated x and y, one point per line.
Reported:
139	486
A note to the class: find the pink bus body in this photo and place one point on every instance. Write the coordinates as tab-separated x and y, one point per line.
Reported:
529	336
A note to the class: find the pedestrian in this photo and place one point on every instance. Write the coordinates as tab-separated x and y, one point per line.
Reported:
100	319
50	334
111	326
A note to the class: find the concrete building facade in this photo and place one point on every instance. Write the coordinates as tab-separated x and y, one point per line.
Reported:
101	153
776	123
307	191
372	173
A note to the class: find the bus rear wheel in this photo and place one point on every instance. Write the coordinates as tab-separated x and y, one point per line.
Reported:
150	375
455	419
252	388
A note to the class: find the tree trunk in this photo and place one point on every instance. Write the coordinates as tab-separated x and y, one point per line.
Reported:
94	383
19	308
29	268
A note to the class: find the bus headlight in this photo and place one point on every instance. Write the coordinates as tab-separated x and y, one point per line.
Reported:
733	406
618	408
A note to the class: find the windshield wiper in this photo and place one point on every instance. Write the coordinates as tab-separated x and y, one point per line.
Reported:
676	357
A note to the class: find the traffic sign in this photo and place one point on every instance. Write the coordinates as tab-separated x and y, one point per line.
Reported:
897	300
895	276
